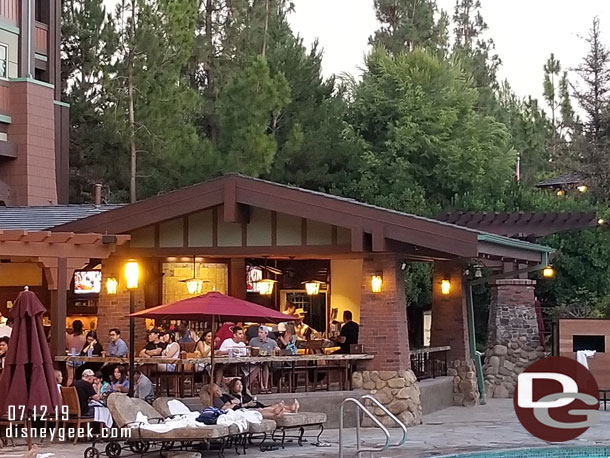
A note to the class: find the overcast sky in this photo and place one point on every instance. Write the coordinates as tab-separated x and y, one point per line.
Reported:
526	32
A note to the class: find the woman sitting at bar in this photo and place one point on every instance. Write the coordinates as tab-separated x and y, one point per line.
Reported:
74	344
92	346
172	350
204	349
240	399
119	382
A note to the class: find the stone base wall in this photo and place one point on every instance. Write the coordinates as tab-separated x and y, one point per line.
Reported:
465	388
504	363
398	391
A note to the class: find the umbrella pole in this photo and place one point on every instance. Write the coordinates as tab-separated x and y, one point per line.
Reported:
213	373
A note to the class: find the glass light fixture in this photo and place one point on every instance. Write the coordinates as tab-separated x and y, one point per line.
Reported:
312	287
560	193
265	286
445	287
377	282
548	272
111	285
582	188
601	221
194	285
132	273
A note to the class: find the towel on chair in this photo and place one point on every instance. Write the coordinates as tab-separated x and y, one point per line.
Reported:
582	355
241	418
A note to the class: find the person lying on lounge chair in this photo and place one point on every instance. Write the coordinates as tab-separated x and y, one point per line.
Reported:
236	399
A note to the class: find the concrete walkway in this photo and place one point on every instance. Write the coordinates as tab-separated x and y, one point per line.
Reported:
453	430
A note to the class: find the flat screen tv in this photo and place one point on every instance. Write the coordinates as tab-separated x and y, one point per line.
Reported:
87	281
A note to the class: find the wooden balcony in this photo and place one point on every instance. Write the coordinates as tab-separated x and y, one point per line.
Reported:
41	38
9	11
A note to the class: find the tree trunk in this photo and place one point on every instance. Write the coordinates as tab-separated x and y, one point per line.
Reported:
266	28
209	67
132	117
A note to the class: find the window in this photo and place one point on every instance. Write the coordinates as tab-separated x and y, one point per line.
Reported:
597	343
3	61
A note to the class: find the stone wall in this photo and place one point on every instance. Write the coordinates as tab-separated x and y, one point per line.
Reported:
465	388
398	391
514	340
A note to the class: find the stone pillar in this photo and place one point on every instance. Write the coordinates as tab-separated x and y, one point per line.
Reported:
513	340
450	327
113	309
384	334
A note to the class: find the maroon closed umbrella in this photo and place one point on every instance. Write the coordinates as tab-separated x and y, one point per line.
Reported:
28	378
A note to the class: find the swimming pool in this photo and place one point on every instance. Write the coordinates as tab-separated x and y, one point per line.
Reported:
545	452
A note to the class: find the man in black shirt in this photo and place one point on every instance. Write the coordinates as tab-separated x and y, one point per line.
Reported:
348	334
155	345
86	391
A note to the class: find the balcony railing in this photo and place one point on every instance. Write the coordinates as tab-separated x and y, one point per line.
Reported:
429	362
41	38
9	11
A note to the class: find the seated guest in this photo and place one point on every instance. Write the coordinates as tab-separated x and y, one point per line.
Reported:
155	345
349	333
267	347
239	398
119	382
59	378
204	345
185	334
7	328
143	388
172	350
235	343
3	350
252	332
286	340
92	346
117	346
74	344
86	392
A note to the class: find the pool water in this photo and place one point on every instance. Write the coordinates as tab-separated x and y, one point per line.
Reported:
546	452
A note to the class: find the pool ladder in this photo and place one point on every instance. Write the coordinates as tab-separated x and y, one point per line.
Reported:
361	407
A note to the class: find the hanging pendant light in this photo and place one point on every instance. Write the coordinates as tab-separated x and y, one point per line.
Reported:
265	286
194	285
312	287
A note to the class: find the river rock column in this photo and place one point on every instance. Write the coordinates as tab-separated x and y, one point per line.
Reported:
384	334
513	340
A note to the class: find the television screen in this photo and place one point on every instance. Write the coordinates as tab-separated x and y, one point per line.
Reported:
253	274
87	282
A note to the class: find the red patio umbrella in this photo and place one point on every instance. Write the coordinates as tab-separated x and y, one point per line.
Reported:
215	306
28	378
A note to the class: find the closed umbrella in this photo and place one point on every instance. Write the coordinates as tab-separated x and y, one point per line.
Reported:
28	378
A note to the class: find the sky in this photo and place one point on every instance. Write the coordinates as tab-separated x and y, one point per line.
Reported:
526	32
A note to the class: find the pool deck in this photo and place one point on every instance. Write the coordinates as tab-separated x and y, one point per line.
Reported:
453	430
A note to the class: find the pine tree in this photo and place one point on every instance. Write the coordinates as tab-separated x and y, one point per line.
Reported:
88	45
405	25
593	144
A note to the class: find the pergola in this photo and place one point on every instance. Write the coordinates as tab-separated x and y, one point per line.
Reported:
59	254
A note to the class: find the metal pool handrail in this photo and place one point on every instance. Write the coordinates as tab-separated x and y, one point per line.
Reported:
361	407
392	416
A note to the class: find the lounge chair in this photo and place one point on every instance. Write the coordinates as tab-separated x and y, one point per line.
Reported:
125	410
265	428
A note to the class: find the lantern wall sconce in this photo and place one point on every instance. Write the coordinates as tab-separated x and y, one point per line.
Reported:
111	285
582	188
132	274
312	287
548	272
377	282
445	287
